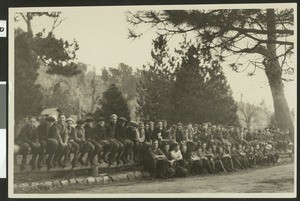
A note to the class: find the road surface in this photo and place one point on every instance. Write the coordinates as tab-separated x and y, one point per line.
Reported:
274	179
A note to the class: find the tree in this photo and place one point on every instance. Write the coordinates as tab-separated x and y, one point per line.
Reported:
28	97
153	90
113	102
200	91
57	54
267	33
249	111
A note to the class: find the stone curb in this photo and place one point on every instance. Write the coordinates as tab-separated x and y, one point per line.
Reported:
99	180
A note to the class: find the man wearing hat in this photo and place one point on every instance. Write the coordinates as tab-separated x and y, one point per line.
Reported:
134	135
85	146
58	142
43	130
28	139
71	142
179	133
117	147
149	132
121	135
100	137
90	137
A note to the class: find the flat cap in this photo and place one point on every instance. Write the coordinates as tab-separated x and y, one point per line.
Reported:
122	119
113	115
134	123
50	119
70	119
88	119
80	121
101	119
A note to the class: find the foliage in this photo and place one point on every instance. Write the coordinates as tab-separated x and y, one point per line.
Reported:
113	102
264	33
189	87
153	90
27	94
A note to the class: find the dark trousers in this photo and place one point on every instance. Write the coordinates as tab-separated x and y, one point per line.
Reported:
197	166
42	151
86	147
156	167
25	149
74	147
116	148
97	151
128	148
137	150
52	147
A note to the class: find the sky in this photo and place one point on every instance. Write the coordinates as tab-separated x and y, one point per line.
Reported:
102	35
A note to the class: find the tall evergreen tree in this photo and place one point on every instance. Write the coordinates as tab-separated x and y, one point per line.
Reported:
153	90
28	97
113	102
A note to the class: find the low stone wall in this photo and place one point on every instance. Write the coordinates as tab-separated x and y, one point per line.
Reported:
99	180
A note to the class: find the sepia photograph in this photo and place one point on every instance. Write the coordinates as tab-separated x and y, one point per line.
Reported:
179	101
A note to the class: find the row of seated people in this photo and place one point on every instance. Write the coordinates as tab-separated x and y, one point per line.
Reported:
114	142
180	160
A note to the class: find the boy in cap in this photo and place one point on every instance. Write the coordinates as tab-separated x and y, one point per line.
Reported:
73	145
90	137
121	135
134	135
58	142
100	136
28	139
85	146
150	132
43	130
117	147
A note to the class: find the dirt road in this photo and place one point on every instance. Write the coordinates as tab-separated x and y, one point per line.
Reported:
268	180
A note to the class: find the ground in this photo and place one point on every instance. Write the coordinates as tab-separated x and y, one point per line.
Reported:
274	179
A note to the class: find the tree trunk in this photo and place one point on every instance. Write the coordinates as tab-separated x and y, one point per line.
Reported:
274	73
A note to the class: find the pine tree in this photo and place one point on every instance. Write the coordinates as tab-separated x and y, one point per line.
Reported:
28	97
153	90
113	102
201	92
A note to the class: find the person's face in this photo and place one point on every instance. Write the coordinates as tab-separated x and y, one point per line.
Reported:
190	126
69	124
141	126
146	126
159	125
221	149
239	146
155	144
31	122
151	126
113	120
210	150
122	123
164	124
101	123
167	148
179	127
176	148
218	128
233	149
61	118
214	148
204	146
89	123
184	148
195	128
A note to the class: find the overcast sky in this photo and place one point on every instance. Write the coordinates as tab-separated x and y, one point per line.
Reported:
103	42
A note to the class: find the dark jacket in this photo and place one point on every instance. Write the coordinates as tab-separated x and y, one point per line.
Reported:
121	132
59	132
89	134
110	130
28	134
43	130
99	133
